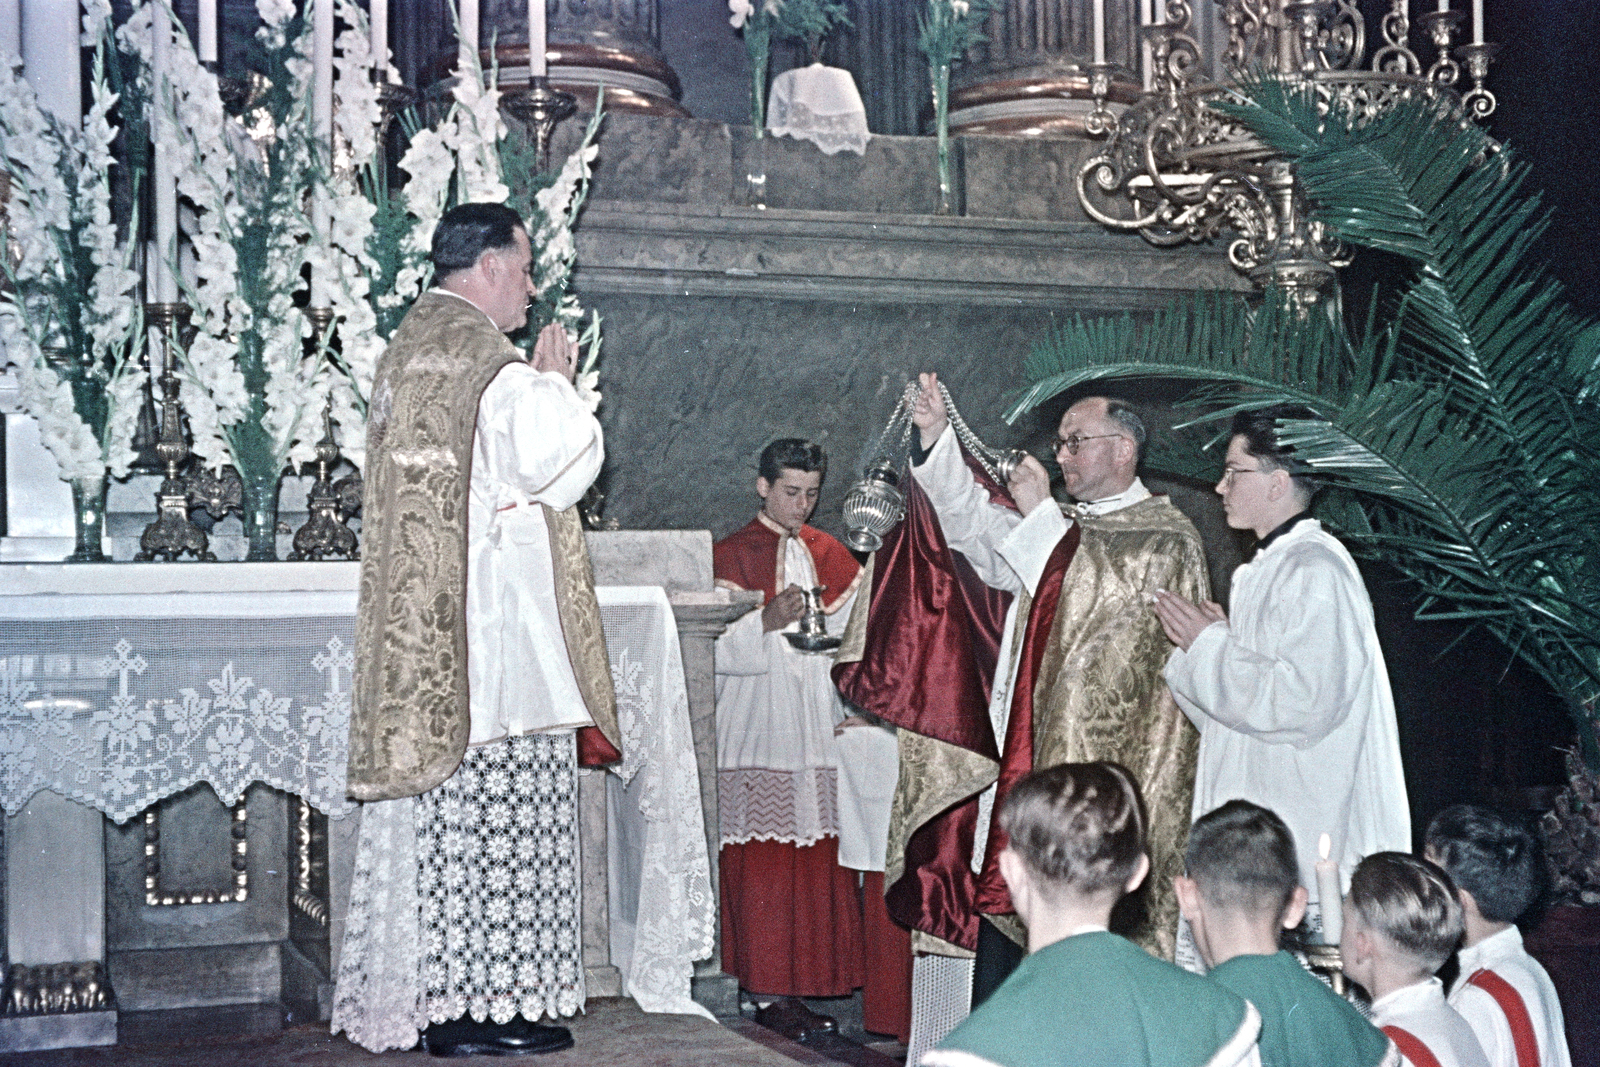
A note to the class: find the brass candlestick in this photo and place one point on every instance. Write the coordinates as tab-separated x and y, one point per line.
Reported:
172	535
541	107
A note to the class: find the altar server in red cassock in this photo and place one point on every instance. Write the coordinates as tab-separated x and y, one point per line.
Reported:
791	916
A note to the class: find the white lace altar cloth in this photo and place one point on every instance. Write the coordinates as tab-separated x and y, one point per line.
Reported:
661	906
820	104
118	701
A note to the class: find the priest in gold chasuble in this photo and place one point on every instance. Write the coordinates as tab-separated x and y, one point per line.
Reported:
481	679
1005	633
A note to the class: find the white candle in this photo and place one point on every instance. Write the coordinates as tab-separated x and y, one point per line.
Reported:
536	39
1160	7
1444	5
1146	56
50	52
208	31
1099	31
469	27
11	28
380	35
1329	898
321	126
164	184
1477	21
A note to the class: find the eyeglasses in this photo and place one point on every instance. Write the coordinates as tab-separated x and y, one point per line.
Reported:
1229	472
1072	442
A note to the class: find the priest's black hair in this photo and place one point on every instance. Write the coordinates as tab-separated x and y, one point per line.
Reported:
792	453
1242	857
1491	855
467	231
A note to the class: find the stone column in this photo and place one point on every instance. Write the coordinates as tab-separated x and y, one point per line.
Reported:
616	44
701	617
1031	77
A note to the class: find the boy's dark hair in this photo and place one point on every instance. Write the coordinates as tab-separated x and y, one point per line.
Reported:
1490	855
1259	428
1241	856
792	453
1411	902
1078	825
467	231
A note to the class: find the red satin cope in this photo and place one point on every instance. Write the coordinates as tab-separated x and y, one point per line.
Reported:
993	898
933	637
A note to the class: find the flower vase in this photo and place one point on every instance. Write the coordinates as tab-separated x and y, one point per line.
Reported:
258	505
755	178
941	124
89	518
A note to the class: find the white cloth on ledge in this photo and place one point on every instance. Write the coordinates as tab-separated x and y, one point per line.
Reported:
821	105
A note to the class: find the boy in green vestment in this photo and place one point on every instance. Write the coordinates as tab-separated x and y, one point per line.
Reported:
1075	845
1242	888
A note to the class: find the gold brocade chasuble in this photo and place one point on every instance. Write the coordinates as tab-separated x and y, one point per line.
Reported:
1100	695
409	715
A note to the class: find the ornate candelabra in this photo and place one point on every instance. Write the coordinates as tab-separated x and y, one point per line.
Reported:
1176	169
172	535
543	108
325	534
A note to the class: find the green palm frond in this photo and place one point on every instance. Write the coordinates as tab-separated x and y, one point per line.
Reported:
1461	429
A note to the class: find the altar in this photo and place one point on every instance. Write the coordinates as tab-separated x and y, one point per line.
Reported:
172	755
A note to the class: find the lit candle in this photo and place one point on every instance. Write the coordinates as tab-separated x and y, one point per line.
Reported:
164	184
1329	899
1099	31
380	35
11	28
208	31
469	27
1477	21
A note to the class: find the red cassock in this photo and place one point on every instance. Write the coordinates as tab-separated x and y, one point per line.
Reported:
792	918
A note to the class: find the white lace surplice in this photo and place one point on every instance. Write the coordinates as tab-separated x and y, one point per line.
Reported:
660	881
777	759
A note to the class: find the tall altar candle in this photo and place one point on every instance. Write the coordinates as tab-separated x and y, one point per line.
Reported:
1099	31
11	27
208	31
164	184
1444	5
537	39
1329	898
469	27
380	36
1146	56
1477	21
321	126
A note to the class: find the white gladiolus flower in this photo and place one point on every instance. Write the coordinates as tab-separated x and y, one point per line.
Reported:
741	9
960	8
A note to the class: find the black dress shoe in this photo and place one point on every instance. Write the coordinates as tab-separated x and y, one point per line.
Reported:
790	1017
464	1037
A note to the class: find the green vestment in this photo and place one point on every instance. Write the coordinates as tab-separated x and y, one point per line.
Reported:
1303	1022
1098	1000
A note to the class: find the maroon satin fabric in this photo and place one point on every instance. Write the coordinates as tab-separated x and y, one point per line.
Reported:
933	636
593	748
992	896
